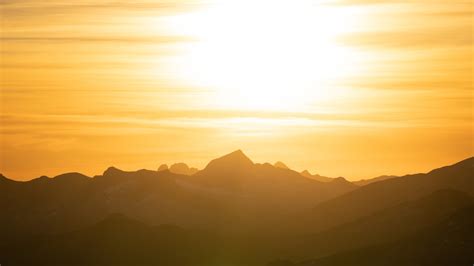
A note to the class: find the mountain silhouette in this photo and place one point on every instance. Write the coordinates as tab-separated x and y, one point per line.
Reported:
115	240
163	167
228	164
182	169
236	212
388	193
385	226
236	172
448	242
229	188
364	182
226	171
281	165
317	177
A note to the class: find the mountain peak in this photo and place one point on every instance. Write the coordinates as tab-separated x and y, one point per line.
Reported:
237	155
306	173
163	167
234	160
281	165
71	177
112	171
339	180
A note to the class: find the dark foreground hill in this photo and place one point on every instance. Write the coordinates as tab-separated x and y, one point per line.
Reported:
116	240
387	193
381	227
449	242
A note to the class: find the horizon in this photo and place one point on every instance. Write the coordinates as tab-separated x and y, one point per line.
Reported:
168	165
375	87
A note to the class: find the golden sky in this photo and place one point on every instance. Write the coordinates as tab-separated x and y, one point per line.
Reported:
354	88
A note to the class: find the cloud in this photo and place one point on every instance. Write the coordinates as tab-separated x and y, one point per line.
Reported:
415	38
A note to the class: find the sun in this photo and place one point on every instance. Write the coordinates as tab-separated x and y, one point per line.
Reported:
264	55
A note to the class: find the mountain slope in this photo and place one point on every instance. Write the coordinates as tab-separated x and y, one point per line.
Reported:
182	169
449	242
281	165
68	202
234	178
385	226
385	194
226	171
231	193
250	213
116	240
364	182
317	177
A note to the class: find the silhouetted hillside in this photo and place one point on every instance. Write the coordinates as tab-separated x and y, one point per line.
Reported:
116	240
385	226
226	171
178	168
280	165
236	212
317	177
449	242
231	193
236	172
364	182
387	193
64	203
182	169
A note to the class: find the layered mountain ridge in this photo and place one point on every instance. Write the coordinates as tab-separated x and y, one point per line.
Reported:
237	212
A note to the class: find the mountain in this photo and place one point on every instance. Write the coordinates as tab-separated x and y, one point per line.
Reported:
388	193
182	169
231	193
115	240
364	182
385	226
227	168
236	174
257	194
280	165
236	212
317	177
448	242
65	203
163	167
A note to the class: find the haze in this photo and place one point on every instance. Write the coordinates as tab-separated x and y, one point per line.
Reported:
354	88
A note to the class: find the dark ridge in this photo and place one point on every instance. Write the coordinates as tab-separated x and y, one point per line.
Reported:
339	180
467	164
363	182
71	176
4	178
112	171
42	178
281	165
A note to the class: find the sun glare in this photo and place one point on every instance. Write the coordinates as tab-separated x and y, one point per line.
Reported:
264	55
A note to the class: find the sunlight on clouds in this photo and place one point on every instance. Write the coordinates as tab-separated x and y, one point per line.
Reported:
266	55
87	84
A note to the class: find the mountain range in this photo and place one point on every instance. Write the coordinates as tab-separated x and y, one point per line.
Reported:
237	212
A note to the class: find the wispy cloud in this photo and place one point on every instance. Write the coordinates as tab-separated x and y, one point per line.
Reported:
96	79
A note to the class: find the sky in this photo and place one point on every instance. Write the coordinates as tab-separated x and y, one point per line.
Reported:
353	88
